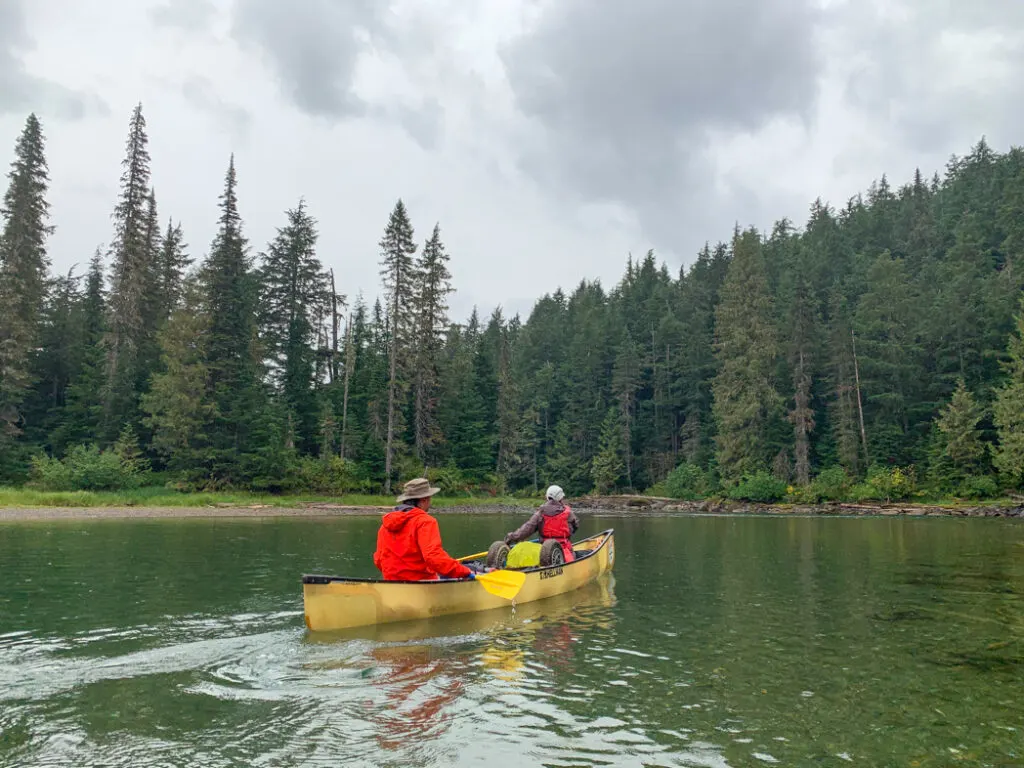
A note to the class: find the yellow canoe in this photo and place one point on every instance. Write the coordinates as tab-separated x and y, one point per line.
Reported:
338	602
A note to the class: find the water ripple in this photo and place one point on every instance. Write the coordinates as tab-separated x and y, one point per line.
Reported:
734	643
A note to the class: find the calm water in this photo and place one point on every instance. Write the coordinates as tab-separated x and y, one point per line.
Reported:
717	642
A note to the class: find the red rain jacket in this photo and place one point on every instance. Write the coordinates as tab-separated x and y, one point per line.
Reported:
409	548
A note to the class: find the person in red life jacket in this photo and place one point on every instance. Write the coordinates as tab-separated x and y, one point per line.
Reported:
409	540
553	520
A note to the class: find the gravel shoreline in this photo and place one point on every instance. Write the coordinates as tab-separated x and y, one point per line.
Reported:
605	506
654	506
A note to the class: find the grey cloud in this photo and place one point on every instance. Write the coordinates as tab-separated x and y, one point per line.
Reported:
201	94
188	15
627	91
904	79
313	46
424	123
21	91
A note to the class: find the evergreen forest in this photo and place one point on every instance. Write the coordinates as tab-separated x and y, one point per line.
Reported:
876	352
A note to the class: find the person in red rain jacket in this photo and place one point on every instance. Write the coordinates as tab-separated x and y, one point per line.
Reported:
554	520
409	540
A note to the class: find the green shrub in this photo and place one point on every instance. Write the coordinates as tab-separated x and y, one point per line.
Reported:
886	484
87	468
864	492
332	476
133	462
687	481
831	484
451	480
978	487
761	487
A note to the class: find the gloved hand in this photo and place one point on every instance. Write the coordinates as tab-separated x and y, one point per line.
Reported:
508	539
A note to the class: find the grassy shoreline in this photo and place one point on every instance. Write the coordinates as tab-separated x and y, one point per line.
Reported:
145	498
30	504
164	498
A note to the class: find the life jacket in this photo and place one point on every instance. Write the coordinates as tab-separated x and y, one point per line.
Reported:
554	524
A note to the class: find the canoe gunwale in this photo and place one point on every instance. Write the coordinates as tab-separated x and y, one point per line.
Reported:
604	536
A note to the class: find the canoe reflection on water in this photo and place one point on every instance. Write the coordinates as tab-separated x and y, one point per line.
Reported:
415	673
419	685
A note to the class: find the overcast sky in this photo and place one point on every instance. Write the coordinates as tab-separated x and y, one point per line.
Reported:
549	138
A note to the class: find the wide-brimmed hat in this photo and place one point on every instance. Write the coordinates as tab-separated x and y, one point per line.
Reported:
419	488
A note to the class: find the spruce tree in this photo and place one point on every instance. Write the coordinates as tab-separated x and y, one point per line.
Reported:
746	402
960	450
178	406
354	395
803	331
696	366
1011	213
885	323
463	411
244	432
295	292
607	466
172	263
625	386
152	301
957	323
511	440
130	283
1008	410
398	272
432	289
82	415
843	402
23	274
58	357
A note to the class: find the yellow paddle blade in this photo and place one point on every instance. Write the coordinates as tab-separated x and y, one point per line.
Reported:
504	584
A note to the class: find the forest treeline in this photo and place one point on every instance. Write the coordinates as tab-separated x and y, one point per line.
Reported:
875	352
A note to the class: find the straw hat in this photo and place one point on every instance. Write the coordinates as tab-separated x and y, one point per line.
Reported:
418	488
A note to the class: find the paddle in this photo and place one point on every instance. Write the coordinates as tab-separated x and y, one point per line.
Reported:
504	584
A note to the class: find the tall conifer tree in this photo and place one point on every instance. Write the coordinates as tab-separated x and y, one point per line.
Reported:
746	346
1008	410
130	283
245	433
23	274
398	271
295	292
432	289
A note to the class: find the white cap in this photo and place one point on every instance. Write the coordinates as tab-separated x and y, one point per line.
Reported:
555	493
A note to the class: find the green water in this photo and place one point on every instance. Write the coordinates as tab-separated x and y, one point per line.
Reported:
717	642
